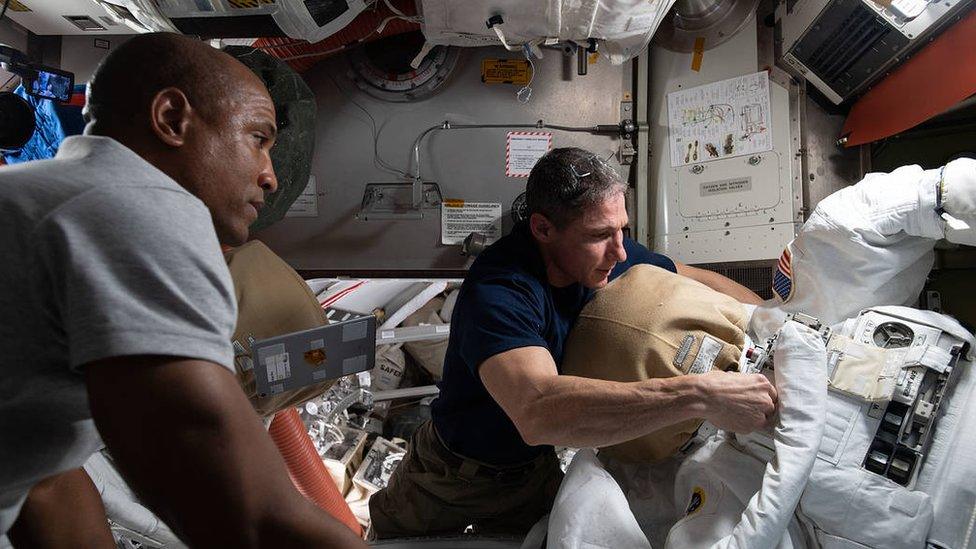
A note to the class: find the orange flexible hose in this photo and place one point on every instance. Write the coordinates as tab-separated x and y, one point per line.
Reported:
306	468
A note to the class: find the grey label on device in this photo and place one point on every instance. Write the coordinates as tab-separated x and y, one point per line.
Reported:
736	185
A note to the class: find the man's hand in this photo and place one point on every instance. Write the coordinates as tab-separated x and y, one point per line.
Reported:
738	402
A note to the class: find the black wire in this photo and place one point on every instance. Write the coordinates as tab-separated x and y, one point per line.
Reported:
8	81
5	4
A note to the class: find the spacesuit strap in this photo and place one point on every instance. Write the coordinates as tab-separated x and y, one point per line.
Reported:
929	356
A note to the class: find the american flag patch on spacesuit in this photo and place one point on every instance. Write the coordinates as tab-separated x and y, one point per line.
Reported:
783	276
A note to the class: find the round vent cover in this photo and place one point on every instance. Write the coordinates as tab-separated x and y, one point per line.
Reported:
382	68
893	335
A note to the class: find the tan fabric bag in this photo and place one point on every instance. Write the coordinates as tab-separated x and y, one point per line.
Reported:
272	300
652	323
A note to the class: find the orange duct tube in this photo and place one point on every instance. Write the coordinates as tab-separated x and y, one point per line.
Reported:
306	468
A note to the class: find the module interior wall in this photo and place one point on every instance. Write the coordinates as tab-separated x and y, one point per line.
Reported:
468	164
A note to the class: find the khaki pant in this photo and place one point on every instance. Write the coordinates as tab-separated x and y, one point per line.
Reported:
436	492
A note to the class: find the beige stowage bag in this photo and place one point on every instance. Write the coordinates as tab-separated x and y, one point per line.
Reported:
272	300
652	323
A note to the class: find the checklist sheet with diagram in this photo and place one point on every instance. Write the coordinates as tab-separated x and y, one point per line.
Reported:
720	120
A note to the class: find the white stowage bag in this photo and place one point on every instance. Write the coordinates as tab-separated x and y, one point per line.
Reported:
592	511
623	28
127	517
717	484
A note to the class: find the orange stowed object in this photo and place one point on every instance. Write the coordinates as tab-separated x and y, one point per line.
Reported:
942	74
306	468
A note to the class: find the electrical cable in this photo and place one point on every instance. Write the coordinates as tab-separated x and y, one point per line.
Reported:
524	94
378	161
4	11
446	125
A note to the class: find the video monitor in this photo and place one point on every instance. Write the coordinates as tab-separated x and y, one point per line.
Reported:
49	83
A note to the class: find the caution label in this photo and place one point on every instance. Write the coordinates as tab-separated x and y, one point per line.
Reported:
460	218
506	71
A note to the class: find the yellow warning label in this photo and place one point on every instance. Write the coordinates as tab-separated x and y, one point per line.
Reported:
453	203
506	71
249	3
15	5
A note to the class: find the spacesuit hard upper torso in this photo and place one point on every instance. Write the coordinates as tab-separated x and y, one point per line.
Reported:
882	458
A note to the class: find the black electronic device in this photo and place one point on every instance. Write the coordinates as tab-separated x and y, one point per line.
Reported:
49	83
39	80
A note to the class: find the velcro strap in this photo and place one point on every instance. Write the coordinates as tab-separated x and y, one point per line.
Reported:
929	356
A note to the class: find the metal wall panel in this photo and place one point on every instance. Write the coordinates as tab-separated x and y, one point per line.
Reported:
468	164
745	226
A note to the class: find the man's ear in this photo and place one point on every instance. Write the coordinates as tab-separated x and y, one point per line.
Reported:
542	229
170	116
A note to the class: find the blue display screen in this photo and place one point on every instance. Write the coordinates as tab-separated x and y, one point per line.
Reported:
52	85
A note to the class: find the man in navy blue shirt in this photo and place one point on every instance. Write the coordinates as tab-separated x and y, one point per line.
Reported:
486	459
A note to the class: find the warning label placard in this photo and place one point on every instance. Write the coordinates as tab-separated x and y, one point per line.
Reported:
506	71
736	185
523	150
460	218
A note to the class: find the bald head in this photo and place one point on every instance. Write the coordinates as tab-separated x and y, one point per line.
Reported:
195	113
122	89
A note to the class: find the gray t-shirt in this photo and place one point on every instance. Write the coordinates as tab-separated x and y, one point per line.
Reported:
103	256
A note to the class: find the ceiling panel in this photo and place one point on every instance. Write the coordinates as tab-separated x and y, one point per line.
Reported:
47	17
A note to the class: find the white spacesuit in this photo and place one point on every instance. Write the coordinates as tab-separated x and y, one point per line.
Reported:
881	459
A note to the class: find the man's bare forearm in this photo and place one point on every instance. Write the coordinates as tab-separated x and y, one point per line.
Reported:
581	412
65	510
719	283
187	440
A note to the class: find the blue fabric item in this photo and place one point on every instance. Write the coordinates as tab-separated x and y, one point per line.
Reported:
48	135
506	303
72	122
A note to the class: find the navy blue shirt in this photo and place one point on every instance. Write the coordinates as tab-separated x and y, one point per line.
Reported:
506	303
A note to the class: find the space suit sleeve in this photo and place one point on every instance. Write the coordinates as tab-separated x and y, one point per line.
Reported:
800	372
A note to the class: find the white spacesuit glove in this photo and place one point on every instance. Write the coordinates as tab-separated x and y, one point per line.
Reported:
957	200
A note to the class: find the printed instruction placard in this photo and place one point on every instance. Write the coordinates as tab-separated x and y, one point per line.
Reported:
460	218
307	203
720	120
523	150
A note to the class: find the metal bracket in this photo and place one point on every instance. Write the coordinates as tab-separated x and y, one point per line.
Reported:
625	150
386	201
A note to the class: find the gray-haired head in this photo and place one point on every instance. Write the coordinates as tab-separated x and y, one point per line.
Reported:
567	181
